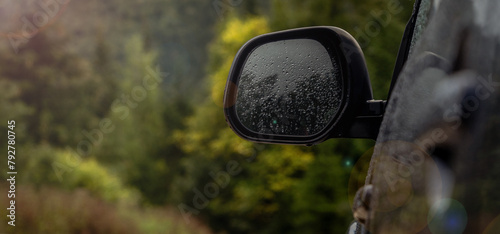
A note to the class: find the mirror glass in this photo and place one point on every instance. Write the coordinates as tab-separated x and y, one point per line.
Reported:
289	87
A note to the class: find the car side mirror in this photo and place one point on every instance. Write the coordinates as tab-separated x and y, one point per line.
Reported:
301	86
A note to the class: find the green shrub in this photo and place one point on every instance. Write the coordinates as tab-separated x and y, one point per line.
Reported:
45	165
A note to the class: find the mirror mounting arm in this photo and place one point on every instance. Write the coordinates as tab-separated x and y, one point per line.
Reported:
373	108
367	123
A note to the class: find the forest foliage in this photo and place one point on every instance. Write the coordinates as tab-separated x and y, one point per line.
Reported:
118	110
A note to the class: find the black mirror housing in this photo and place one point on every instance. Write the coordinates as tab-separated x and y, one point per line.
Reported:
332	100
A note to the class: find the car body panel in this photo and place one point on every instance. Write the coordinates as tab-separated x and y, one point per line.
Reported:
444	106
